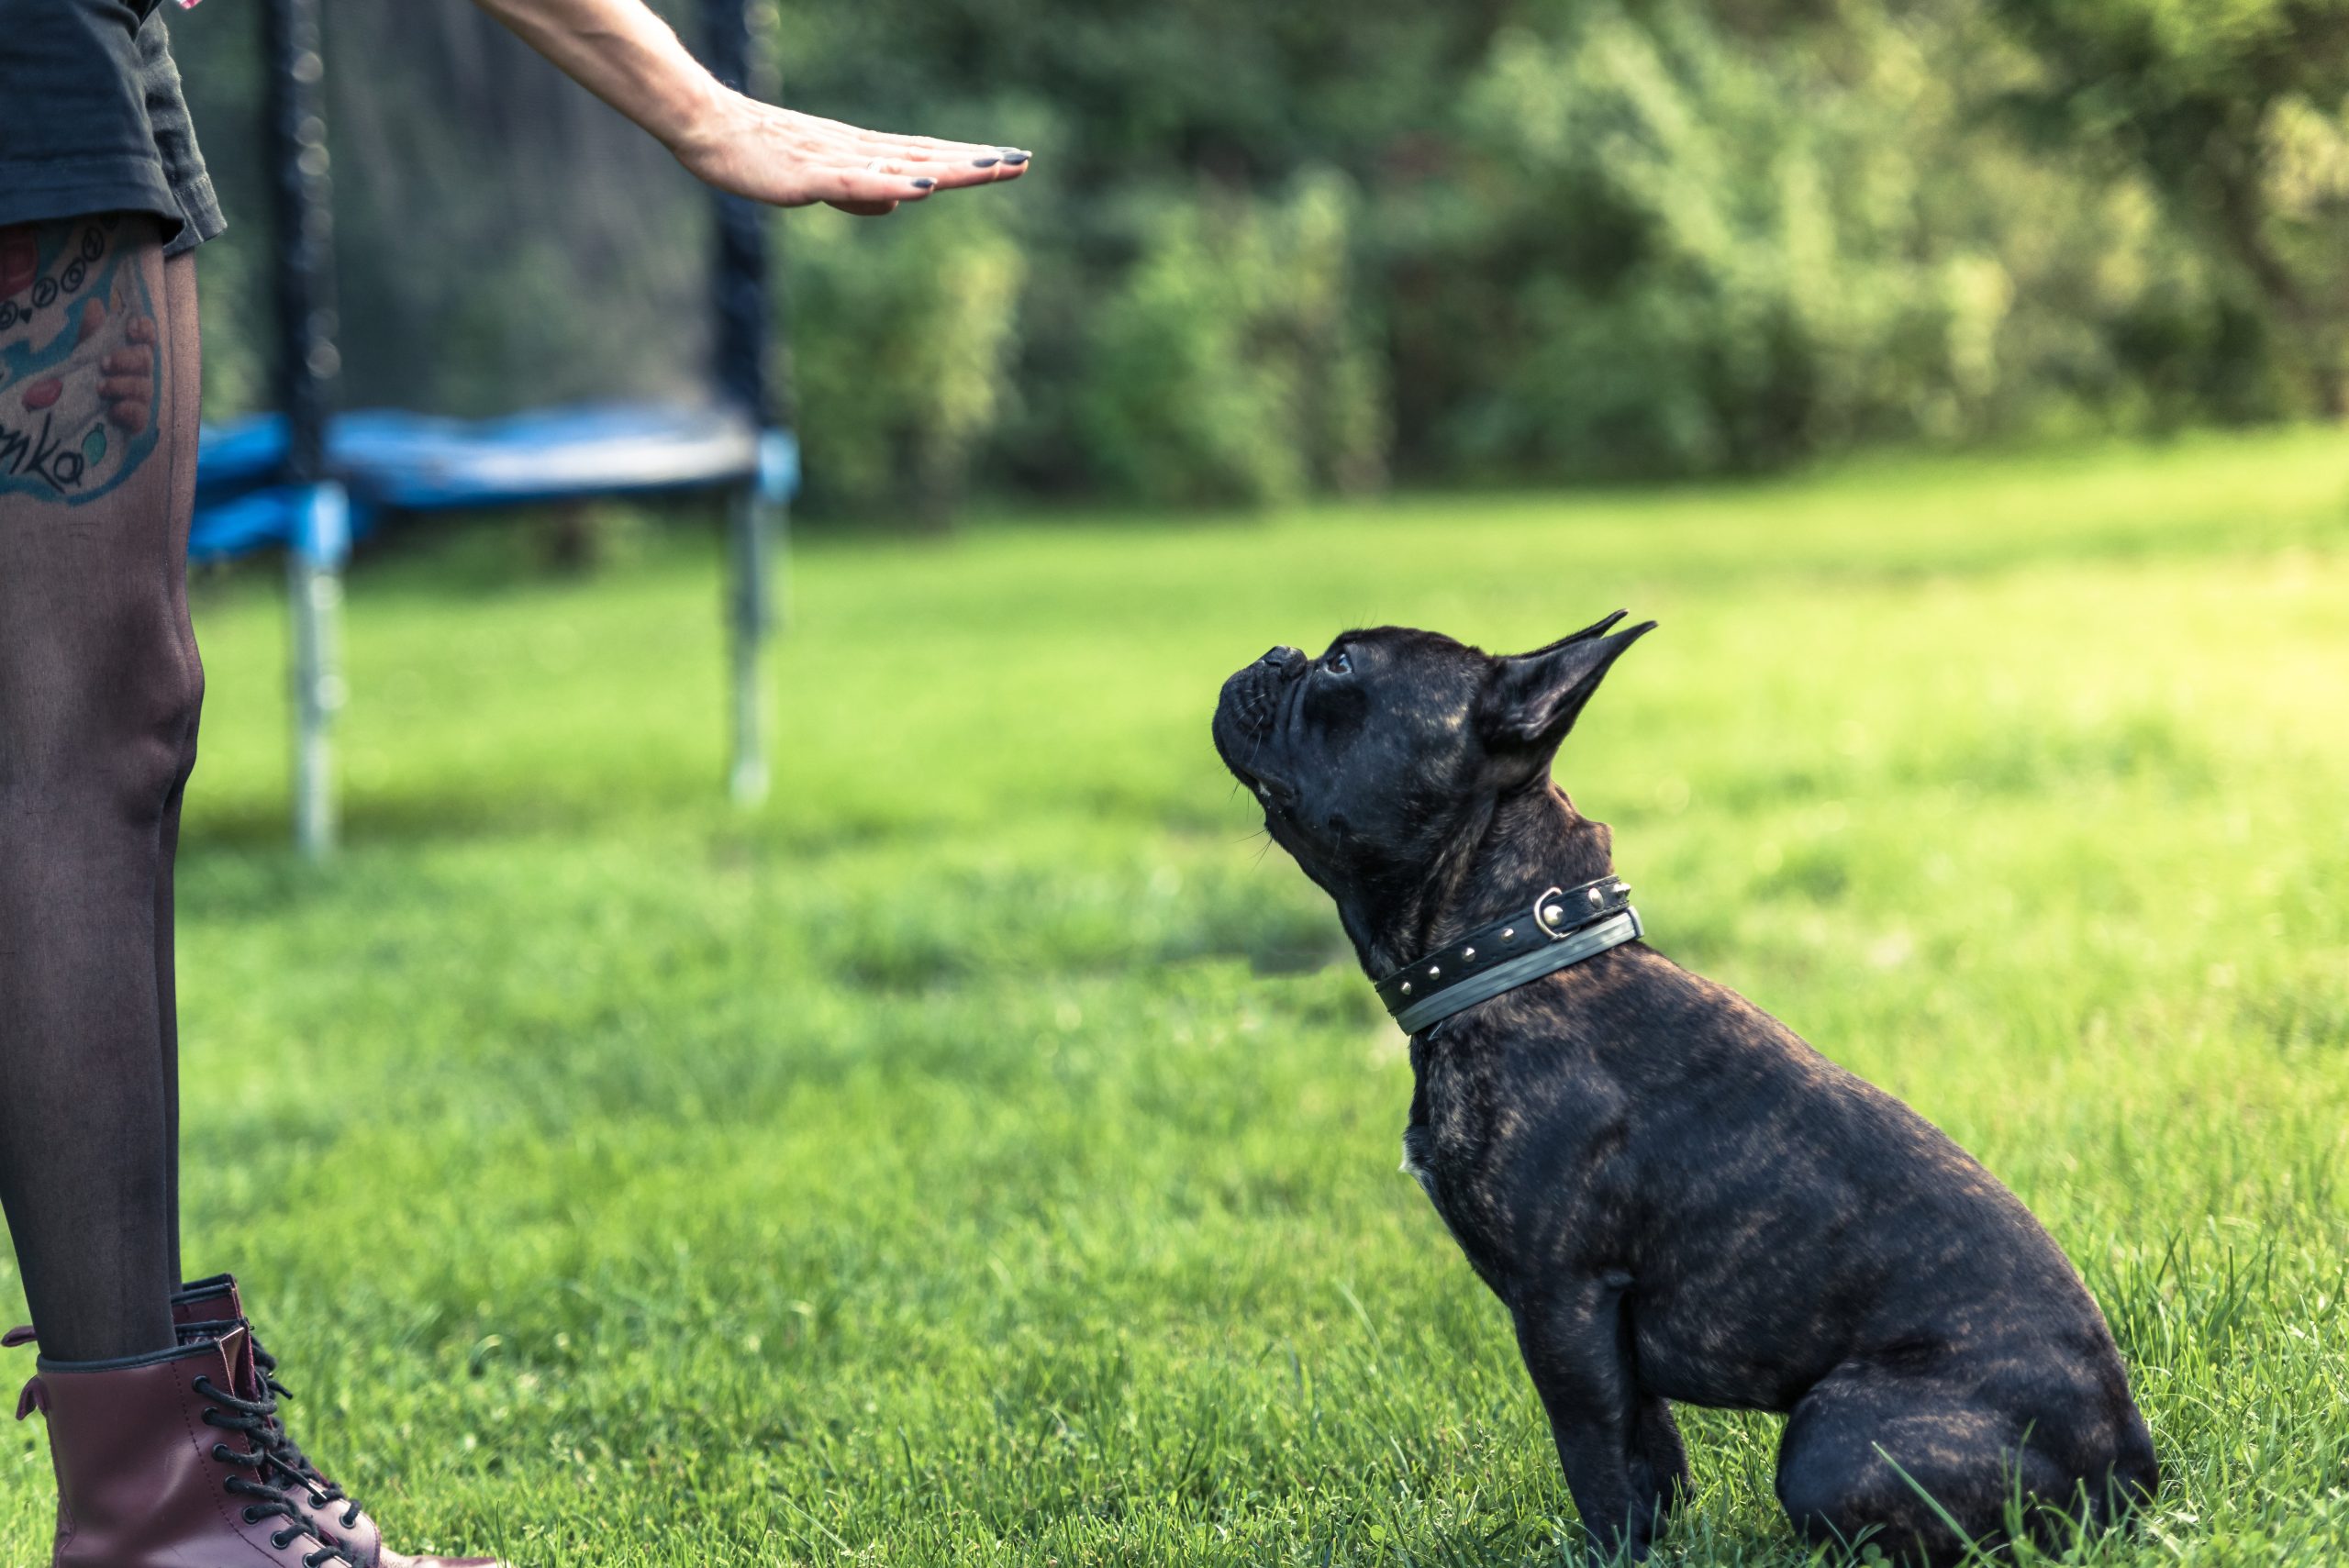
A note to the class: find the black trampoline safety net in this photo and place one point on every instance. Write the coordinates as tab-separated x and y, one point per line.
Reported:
503	241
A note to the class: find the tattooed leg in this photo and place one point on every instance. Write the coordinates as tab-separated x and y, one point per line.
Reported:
78	392
99	691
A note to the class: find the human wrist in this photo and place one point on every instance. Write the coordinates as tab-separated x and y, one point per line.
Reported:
706	115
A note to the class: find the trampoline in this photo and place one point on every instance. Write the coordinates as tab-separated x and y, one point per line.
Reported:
310	481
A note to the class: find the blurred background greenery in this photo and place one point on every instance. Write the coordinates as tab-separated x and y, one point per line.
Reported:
1271	251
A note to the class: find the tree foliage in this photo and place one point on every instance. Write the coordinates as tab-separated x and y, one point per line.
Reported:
2233	108
1273	250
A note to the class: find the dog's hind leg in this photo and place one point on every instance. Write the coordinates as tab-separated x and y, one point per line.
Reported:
1906	1470
2097	1474
1919	1469
1921	1464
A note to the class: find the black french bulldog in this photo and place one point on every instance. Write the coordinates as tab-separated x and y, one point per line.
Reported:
1674	1196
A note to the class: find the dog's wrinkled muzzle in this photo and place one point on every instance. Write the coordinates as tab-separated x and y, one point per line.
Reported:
1251	697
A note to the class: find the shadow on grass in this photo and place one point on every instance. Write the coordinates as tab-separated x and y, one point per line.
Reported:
410	817
260	823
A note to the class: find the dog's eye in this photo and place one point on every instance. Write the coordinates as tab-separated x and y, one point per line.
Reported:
1337	663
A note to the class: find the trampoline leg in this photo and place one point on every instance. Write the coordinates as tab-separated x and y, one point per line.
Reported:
314	573
754	530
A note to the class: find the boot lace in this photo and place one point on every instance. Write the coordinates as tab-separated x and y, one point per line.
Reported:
257	1420
291	1462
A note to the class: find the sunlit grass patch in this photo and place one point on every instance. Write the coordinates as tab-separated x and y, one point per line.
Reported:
984	1154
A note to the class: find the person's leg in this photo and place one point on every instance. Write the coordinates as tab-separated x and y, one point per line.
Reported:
183	409
99	692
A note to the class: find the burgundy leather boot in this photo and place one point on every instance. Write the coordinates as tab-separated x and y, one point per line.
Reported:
160	1464
207	1308
210	1309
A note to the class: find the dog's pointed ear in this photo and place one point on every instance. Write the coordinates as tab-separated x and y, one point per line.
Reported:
1531	700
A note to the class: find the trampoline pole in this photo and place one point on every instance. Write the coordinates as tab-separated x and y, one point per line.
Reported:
295	136
314	588
751	550
734	50
308	592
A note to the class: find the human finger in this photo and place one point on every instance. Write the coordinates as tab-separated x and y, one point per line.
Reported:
947	176
985	161
877	182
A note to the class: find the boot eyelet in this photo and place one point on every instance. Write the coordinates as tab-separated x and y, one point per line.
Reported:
252	1517
220	1453
282	1539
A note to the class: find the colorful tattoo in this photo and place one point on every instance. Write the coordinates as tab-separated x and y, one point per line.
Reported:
79	395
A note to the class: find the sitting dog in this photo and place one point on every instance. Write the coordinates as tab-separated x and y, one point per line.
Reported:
1675	1197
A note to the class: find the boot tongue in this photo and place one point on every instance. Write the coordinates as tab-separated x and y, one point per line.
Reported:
236	1347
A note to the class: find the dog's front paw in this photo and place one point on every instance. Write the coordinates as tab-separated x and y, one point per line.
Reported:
1631	1543
1659	1462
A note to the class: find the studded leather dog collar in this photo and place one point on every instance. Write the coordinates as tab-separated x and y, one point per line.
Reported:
1563	927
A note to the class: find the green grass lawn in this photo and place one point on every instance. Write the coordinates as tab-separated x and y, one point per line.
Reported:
986	1154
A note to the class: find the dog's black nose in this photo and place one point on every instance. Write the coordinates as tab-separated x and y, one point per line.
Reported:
1283	659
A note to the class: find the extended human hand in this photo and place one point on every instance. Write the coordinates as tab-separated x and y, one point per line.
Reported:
777	155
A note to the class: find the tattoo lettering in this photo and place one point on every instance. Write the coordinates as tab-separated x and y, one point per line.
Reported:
79	393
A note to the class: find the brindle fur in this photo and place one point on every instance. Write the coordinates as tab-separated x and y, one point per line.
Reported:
1675	1197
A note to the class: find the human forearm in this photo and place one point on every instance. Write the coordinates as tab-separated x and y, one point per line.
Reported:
626	55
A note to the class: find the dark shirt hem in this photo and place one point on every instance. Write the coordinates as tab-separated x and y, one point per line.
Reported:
45	191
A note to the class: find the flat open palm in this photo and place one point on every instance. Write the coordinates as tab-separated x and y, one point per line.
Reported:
790	158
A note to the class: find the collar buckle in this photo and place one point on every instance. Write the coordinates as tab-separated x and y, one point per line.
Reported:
1556	914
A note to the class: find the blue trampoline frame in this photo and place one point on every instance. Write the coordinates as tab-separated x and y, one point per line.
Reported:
389	460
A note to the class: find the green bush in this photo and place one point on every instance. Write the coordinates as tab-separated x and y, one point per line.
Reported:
1698	255
1228	365
903	336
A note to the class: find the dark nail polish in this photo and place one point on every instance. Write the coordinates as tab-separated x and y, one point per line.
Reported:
984	162
1016	157
924	183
